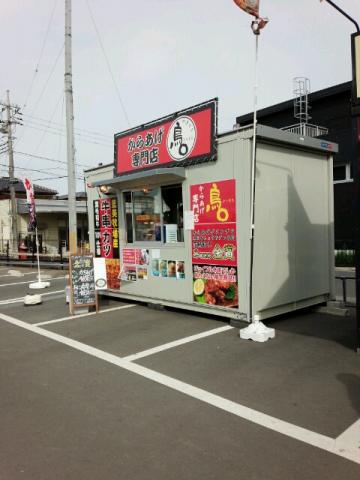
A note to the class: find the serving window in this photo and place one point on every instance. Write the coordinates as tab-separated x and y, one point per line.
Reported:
154	215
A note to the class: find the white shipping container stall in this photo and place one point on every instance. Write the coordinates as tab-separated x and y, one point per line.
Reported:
293	263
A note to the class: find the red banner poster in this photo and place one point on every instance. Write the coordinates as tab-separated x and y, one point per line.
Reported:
214	234
106	228
214	247
135	256
129	256
187	136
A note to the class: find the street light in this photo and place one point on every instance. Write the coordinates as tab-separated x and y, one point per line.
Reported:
355	111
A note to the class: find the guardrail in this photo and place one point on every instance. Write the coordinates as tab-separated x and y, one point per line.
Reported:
60	260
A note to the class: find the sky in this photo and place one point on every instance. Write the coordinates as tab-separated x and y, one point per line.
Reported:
136	61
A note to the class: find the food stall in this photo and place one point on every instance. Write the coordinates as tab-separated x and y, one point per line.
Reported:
173	213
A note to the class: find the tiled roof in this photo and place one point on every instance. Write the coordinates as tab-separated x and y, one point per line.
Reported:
19	187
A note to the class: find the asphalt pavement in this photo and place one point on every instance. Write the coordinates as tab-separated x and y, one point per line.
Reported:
136	393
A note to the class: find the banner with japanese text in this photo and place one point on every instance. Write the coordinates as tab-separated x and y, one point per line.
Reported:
214	246
30	200
214	234
181	138
106	228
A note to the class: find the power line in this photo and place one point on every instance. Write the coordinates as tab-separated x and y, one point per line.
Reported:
47	80
59	132
35	170
61	125
108	63
41	54
48	178
48	159
51	117
44	88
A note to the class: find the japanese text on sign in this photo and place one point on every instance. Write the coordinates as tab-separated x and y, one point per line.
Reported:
82	280
106	228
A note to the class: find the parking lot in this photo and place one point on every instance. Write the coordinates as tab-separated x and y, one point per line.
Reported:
138	393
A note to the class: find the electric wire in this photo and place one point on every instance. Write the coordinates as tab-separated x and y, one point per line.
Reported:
61	125
40	157
35	170
61	129
108	63
43	90
48	123
63	134
48	79
48	178
41	54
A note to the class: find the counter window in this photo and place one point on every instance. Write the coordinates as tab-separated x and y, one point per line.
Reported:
154	215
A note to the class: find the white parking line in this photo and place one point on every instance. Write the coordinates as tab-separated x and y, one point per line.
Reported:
22	283
351	436
345	448
71	317
14	276
21	299
176	343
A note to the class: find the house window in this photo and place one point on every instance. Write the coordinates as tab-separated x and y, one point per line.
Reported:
172	210
147	215
342	173
154	215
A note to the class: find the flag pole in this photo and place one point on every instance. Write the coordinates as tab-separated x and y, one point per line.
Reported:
39	284
253	184
256	331
37	254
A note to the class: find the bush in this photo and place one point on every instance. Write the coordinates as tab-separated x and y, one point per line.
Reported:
344	258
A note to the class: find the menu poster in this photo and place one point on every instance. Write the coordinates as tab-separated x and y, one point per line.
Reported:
107	273
155	268
171	269
142	273
82	282
180	269
100	274
214	245
128	273
112	273
163	268
214	285
136	256
130	256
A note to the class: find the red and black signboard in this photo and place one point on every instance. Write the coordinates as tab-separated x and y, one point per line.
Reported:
183	138
106	228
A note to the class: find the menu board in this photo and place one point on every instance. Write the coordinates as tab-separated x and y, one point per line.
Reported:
82	280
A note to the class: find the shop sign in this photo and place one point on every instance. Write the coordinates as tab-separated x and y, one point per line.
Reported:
182	138
106	228
214	247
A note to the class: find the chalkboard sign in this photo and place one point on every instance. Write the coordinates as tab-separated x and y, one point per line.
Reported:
82	281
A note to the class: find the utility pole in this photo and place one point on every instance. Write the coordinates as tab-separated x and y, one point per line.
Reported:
6	128
70	132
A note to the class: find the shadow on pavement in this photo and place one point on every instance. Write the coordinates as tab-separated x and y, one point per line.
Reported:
341	330
352	384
